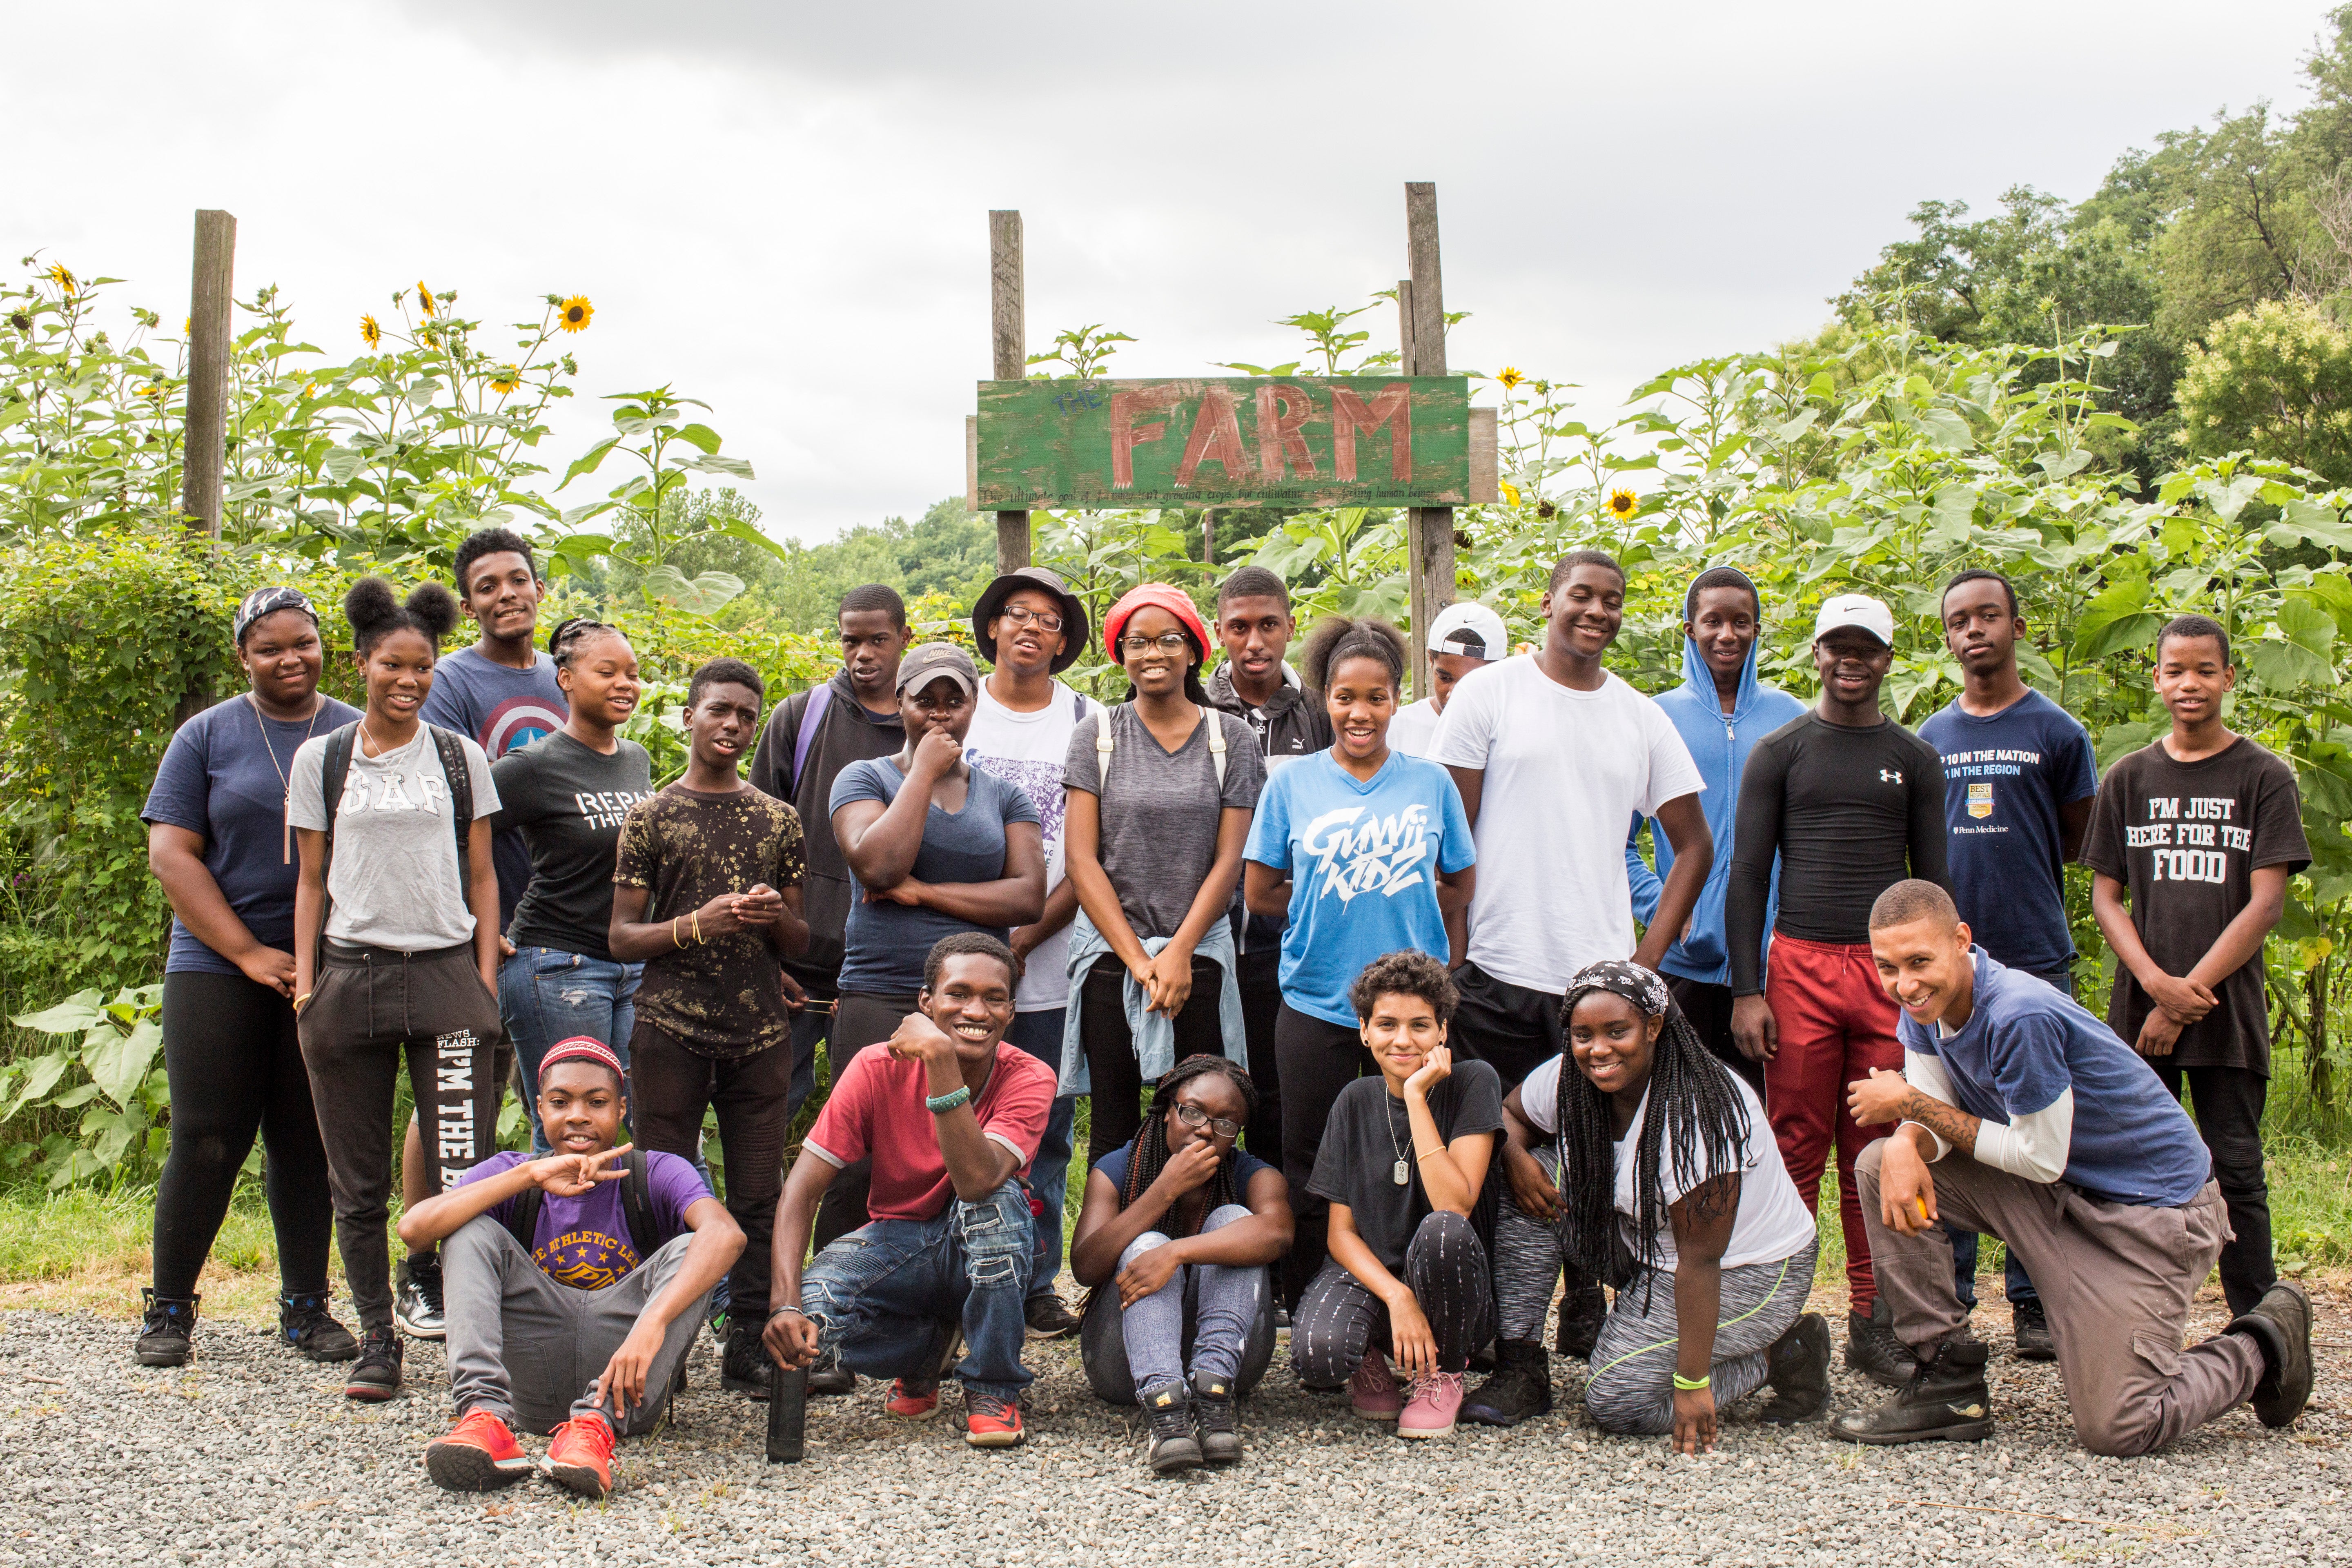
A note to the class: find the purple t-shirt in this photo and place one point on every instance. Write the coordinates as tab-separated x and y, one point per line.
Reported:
584	1242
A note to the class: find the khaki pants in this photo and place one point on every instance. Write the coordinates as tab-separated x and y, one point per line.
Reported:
2116	1279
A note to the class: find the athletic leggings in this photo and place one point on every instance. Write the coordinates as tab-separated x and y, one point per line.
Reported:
235	1067
1115	1077
1337	1320
1632	1388
1318	1058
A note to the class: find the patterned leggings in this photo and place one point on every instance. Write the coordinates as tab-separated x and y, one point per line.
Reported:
1339	1320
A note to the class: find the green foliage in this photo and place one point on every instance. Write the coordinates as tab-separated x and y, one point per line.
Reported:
2277	380
104	1066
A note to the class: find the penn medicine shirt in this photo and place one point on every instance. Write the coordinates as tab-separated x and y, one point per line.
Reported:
396	880
1028	749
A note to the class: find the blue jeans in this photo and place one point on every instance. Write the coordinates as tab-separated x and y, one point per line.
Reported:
1040	1034
546	995
1964	1243
885	1297
809	1026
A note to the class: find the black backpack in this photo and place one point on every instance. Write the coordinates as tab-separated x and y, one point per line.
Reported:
637	1207
335	770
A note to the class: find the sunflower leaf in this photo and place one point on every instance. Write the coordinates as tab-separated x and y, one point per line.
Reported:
712	463
588	461
700	435
735	528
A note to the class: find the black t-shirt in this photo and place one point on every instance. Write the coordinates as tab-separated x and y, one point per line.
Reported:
2185	839
569	799
1369	1131
1849	813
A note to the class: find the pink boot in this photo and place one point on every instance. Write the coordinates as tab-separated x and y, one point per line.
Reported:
1372	1391
1436	1397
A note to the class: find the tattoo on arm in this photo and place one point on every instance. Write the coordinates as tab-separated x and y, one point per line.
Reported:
1950	1123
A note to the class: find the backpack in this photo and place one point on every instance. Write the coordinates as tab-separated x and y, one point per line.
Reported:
336	768
637	1207
1209	716
812	722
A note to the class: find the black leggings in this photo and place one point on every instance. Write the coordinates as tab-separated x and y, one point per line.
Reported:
1318	1058
1115	1077
236	1068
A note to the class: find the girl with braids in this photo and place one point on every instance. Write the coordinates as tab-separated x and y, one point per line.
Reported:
1662	1175
1367	851
1178	1230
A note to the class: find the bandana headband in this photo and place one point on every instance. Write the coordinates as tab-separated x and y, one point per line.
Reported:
1636	984
582	1048
269	602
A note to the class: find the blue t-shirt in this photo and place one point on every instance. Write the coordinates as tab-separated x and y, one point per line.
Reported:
1363	860
501	711
2026	1043
1115	1165
583	1241
2004	779
224	775
888	943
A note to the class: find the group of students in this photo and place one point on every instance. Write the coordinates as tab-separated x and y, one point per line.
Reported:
1357	952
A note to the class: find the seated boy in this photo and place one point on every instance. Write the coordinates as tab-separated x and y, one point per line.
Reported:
951	1124
624	1250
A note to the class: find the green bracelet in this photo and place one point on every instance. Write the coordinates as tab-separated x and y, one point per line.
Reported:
941	1104
1691	1384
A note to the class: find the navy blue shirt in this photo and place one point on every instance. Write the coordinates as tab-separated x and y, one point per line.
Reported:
1115	1165
2005	778
501	711
223	776
2026	1043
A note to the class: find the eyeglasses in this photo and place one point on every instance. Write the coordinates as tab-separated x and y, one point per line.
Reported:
1166	642
1022	614
1193	1116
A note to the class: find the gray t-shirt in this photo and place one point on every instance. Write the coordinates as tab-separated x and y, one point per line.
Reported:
1370	1131
395	880
888	943
1160	813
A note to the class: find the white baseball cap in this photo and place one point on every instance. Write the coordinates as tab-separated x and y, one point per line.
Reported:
1858	610
1467	626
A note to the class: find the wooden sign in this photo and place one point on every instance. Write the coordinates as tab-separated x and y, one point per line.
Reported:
1289	441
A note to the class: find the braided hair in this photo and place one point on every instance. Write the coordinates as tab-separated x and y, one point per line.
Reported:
1148	1155
575	632
1694	1110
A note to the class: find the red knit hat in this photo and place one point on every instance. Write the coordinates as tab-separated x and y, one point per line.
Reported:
1166	596
583	1048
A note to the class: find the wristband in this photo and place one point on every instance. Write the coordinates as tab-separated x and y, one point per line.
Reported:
1691	1384
941	1104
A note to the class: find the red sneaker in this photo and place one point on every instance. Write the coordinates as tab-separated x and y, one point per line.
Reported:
912	1401
580	1455
477	1454
989	1422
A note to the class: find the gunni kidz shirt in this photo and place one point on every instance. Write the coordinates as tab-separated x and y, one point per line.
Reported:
1363	859
584	1242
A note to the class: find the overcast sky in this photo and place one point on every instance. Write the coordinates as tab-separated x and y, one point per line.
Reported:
783	209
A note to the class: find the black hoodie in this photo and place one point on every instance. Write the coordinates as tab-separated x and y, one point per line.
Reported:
847	734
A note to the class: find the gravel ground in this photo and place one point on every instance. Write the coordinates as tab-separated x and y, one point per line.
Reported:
251	1455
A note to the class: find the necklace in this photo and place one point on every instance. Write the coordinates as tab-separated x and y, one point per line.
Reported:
1401	1171
285	784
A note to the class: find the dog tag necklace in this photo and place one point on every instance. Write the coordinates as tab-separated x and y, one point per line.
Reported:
1401	1171
285	783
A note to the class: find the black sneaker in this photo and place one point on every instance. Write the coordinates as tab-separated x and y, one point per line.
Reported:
1213	1420
2281	1324
304	1323
1799	1376
831	1379
1944	1401
164	1330
1872	1348
417	1305
1174	1448
2032	1325
1049	1318
376	1375
1581	1313
1520	1387
743	1365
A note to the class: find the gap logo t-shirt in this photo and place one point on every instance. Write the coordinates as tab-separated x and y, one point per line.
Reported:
583	1241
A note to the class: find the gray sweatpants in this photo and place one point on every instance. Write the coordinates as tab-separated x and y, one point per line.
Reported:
528	1348
2116	1280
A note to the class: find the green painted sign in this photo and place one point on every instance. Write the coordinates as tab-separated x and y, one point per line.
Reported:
1286	441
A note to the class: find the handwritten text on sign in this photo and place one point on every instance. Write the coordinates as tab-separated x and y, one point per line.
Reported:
1293	441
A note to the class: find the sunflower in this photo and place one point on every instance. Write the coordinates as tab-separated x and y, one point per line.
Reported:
370	333
63	279
1510	493
152	392
425	297
507	379
1510	378
1623	504
575	313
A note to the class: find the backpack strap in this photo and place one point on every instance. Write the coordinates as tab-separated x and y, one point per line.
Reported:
1077	706
812	721
461	791
637	1206
334	771
522	1219
1216	745
1208	717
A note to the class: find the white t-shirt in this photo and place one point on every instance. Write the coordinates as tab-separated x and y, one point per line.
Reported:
1414	730
1562	768
396	880
1771	1222
1028	749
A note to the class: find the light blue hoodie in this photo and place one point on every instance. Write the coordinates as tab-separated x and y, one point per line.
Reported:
1719	743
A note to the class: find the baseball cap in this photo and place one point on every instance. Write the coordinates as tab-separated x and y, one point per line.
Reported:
1469	627
1858	610
935	659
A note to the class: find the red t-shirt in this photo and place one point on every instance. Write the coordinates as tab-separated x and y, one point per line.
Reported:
877	1107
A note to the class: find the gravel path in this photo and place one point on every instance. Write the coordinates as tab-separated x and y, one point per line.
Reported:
252	1456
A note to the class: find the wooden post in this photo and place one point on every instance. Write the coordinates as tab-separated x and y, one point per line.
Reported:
205	450
1208	536
1010	341
1429	530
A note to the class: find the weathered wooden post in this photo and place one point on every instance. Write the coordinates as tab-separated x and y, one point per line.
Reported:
1008	338
209	293
1420	308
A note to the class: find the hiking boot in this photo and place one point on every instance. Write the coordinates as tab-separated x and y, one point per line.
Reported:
912	1401
1213	1420
2031	1326
831	1379
1872	1348
580	1455
2281	1324
1520	1387
376	1374
1174	1448
1581	1312
1372	1391
417	1305
303	1322
1798	1365
165	1328
477	1454
1049	1318
743	1365
1945	1401
989	1422
1436	1401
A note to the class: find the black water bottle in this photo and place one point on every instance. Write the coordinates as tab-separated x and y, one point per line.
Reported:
787	1414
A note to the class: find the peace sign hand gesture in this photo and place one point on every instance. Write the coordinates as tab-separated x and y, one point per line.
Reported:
569	1175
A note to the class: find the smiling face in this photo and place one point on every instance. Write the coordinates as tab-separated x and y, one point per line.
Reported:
1444	670
1400	1033
1978	625
399	673
719	727
871	643
283	657
1924	965
1156	670
941	705
581	1106
1583	614
503	594
1723	624
1026	648
1256	629
599	680
2192	678
972	1002
1214	1097
1361	700
1851	664
1614	1041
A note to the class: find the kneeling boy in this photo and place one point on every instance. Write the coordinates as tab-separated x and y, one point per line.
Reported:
593	1257
950	1122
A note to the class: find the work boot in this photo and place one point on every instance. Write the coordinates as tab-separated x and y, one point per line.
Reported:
1520	1387
1944	1401
1580	1316
2031	1326
1167	1411
1213	1420
2281	1324
165	1329
1799	1374
1872	1348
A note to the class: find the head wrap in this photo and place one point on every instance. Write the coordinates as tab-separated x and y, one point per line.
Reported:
267	601
1638	986
582	1048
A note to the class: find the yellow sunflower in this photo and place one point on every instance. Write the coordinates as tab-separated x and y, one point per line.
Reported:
1623	504
152	392
575	313
370	333
1510	493
425	297
1510	378
63	279
508	379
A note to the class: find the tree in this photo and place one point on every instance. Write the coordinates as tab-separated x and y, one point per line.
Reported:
2275	380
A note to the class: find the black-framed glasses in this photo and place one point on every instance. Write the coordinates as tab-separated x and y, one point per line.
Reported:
1166	642
1022	614
1193	1116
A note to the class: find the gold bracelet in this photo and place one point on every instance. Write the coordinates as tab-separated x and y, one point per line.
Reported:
299	999
1417	1159
698	928
674	940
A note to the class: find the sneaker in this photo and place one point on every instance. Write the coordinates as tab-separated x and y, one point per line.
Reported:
912	1401
989	1422
376	1374
304	1323
831	1379
1798	1365
1436	1400
1945	1400
1049	1317
1213	1420
1581	1313
2032	1325
477	1454
1174	1448
716	1316
744	1363
580	1455
417	1305
164	1330
2281	1324
1872	1348
1372	1391
1520	1387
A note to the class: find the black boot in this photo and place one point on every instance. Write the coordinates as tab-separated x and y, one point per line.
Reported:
1213	1420
1944	1401
2032	1325
1168	1413
305	1325
1800	1372
1520	1387
1872	1348
2281	1324
171	1320
1580	1315
743	1365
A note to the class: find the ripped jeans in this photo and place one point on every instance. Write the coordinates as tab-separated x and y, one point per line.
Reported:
887	1297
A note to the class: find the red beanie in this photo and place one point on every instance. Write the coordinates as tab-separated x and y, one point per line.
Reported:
1166	596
